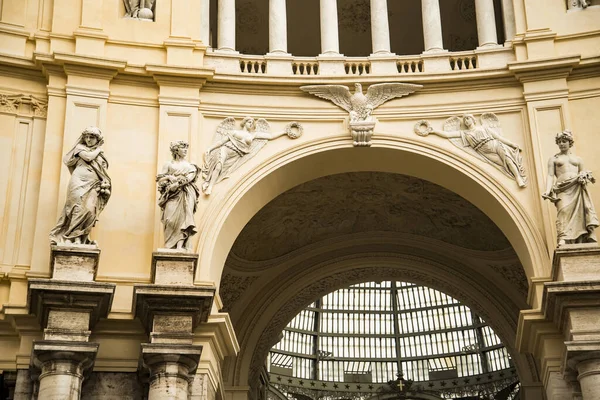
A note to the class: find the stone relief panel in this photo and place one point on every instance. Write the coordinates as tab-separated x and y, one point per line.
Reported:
232	288
361	202
515	275
23	104
484	141
232	147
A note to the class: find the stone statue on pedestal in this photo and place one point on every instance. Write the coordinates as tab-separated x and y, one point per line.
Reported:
567	189
484	142
232	147
178	197
88	190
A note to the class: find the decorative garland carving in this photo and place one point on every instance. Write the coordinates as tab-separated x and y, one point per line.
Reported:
514	274
23	104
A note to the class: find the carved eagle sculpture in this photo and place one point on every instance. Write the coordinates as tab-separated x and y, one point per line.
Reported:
358	105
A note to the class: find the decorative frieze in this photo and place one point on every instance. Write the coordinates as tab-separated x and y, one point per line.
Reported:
23	105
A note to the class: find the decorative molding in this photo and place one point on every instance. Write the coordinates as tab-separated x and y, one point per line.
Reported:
22	104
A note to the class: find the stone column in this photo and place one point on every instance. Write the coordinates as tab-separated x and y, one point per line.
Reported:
67	306
380	28
226	29
62	366
589	377
170	310
486	23
277	27
508	17
432	26
205	22
330	44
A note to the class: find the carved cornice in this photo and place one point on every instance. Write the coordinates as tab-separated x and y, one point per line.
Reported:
22	104
544	69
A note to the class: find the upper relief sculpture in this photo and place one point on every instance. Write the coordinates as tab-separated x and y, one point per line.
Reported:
232	147
576	219
142	9
484	141
178	197
88	190
360	106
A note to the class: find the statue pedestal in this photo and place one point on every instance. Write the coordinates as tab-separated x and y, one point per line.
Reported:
576	262
173	267
67	306
362	132
170	309
572	304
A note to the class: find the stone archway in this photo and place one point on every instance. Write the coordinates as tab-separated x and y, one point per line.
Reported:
231	210
354	227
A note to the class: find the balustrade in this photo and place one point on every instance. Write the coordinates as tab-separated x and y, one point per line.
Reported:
253	66
409	66
305	68
461	63
357	67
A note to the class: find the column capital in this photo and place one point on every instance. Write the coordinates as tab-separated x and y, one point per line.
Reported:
82	354
155	354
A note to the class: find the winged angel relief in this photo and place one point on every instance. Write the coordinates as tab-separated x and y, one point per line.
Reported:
484	142
232	147
360	106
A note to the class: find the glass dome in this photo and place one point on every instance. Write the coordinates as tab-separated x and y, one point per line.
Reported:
371	332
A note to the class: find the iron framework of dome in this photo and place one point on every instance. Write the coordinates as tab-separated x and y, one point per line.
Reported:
390	340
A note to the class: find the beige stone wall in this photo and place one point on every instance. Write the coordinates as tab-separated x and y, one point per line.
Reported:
68	64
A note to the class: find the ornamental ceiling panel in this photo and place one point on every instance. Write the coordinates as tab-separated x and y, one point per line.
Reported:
365	202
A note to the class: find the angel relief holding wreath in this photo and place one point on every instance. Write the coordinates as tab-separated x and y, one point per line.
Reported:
232	147
484	141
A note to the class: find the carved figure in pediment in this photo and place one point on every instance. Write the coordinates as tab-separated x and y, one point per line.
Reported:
178	197
484	141
359	105
576	217
141	9
232	147
88	191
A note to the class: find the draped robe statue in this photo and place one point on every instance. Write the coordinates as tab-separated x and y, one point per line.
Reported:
178	198
88	190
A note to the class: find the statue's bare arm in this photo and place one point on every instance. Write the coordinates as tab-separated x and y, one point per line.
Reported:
269	136
446	134
551	175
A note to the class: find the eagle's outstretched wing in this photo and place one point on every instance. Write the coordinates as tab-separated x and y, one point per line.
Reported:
338	94
382	92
